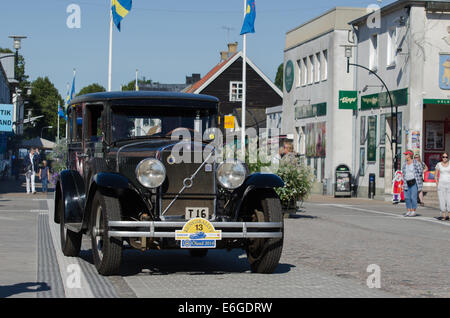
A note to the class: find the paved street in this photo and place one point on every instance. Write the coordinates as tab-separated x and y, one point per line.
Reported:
328	246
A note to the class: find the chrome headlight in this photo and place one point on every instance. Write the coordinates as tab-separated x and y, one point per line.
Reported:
151	173
231	174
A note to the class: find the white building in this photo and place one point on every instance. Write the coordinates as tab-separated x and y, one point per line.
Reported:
408	47
315	73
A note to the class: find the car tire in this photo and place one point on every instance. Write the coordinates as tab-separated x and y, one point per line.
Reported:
199	252
106	251
70	241
264	254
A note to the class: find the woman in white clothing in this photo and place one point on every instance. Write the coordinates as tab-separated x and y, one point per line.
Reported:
443	186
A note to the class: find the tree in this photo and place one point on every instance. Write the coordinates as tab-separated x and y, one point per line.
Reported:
131	86
279	77
44	100
93	88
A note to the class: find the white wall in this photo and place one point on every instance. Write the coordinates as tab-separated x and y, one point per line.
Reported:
339	127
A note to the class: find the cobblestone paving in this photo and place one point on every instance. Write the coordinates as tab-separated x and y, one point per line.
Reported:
413	254
228	275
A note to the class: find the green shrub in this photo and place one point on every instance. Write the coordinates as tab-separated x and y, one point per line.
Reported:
298	181
298	178
59	156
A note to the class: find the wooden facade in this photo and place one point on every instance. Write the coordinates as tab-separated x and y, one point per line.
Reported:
260	93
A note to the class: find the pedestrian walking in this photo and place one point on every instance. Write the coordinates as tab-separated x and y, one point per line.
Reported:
412	182
44	175
31	167
443	186
425	169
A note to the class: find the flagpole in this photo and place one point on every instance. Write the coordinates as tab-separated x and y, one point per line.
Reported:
57	129
244	88
136	86
110	51
67	107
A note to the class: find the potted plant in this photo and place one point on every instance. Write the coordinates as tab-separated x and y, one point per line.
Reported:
58	160
298	181
297	177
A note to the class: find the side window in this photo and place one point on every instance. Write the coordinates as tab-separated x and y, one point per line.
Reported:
93	123
69	124
77	123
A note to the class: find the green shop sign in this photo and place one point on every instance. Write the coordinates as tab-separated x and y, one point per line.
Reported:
308	111
289	76
348	99
399	98
437	101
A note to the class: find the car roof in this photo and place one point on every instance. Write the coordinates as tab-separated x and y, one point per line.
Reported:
142	96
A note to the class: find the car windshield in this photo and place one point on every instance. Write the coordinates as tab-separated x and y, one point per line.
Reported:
139	122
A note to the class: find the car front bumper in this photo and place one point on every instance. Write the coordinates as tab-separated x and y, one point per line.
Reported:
230	230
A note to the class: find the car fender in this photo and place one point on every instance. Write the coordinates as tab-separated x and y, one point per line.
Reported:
263	181
255	182
109	184
70	188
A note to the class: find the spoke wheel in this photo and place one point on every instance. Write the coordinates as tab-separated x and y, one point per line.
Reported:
264	254
106	251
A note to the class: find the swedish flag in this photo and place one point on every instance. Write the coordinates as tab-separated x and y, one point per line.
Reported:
120	8
61	113
249	19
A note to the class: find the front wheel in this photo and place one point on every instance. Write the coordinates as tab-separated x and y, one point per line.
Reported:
106	251
264	254
70	241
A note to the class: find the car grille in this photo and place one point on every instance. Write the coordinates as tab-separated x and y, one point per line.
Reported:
200	195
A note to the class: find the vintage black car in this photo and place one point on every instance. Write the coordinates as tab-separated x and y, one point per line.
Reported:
125	188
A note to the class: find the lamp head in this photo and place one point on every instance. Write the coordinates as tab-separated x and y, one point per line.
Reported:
17	41
348	52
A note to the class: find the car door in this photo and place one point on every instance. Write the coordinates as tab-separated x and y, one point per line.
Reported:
93	135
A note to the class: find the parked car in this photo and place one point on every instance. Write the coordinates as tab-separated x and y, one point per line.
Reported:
125	186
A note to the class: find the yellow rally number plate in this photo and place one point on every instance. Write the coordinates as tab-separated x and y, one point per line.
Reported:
198	233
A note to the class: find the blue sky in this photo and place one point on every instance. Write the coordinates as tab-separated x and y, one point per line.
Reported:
165	40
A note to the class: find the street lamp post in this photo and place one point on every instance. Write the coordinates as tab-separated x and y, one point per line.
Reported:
17	45
348	55
42	130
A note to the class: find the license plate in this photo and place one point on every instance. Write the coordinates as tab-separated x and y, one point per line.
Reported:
192	213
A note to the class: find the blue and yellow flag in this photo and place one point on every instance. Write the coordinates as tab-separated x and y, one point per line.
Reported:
72	92
61	113
249	19
120	8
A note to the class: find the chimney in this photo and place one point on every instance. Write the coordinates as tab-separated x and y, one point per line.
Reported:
223	56
232	48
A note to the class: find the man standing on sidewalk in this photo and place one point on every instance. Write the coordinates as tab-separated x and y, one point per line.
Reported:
31	164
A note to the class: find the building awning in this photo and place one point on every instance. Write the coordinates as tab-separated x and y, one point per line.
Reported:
38	143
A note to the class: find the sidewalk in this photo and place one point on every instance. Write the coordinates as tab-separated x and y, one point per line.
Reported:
387	206
18	188
318	198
